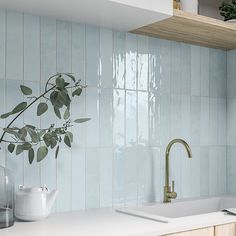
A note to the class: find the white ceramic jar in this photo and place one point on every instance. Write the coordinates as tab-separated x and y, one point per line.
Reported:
190	6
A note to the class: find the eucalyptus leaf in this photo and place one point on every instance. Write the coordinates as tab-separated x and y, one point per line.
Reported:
42	108
31	155
11	131
42	153
57	151
66	114
26	90
26	146
71	76
57	112
34	136
4	116
82	120
19	149
11	147
70	135
19	107
60	82
77	92
22	133
31	127
67	140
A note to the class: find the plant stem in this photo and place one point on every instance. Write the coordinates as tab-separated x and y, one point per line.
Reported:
42	95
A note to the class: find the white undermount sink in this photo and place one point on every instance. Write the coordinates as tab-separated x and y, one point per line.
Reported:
167	212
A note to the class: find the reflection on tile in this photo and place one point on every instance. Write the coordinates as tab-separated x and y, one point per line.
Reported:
2	43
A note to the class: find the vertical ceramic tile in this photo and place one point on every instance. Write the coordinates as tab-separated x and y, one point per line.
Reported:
195	70
213	121
13	162
92	178
165	120
78	184
222	119
118	191
155	66
92	56
145	175
195	120
105	118
48	68
118	117
64	180
186	118
231	71
158	174
14	46
92	111
31	48
222	171
204	171
231	166
175	122
195	170
213	171
118	59
78	51
63	47
131	118
143	66
165	66
175	69
154	102
131	176
106	173
131	61
185	67
2	43
205	71
48	48
204	121
106	50
231	125
143	132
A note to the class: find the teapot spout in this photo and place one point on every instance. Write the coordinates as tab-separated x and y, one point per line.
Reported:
51	197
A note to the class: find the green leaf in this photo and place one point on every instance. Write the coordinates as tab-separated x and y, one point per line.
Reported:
57	151
57	112
60	82
11	131
26	90
22	133
66	114
46	138
71	76
42	108
4	116
77	92
31	155
34	136
26	146
81	120
31	127
42	153
67	140
70	135
53	143
19	107
19	149
11	147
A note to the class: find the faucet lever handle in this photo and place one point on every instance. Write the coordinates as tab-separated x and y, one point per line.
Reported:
173	185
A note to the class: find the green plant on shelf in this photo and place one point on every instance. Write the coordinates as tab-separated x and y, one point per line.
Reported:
59	91
228	11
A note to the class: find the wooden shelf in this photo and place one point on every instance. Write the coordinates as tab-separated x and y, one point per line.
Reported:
193	29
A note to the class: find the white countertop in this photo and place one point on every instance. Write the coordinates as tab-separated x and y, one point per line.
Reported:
107	222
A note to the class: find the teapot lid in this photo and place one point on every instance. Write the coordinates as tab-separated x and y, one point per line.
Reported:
33	189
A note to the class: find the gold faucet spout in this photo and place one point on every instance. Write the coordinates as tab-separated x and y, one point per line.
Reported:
168	193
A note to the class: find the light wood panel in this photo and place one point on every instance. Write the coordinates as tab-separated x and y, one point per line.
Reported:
194	29
199	232
223	230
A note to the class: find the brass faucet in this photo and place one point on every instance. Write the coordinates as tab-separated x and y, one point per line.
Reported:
168	192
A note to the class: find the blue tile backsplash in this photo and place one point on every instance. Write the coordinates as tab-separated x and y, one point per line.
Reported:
142	92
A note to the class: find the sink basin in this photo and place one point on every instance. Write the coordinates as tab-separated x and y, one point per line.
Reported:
166	212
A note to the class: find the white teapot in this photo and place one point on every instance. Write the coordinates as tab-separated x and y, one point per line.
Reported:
33	204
